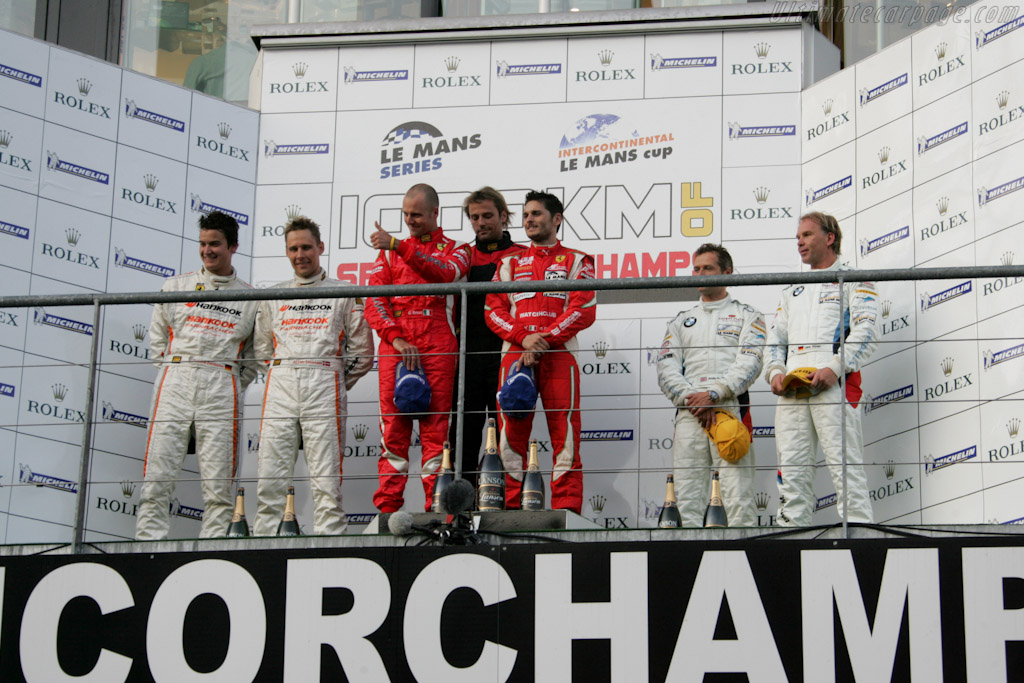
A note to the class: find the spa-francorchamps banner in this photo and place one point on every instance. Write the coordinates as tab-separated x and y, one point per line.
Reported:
872	610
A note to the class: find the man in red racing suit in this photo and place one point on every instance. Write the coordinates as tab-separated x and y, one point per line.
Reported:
539	329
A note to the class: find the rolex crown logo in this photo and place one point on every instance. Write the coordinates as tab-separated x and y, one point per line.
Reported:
139	332
761	49
5	138
127	488
151	181
299	69
1013	427
60	391
600	349
1007	258
761	194
826	106
224	130
606	57
889	468
84	86
947	366
452	64
292	211
72	236
942	205
1003	98
597	502
883	155
886	308
359	431
940	50
761	500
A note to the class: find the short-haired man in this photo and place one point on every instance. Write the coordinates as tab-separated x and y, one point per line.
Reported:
418	331
539	330
202	351
314	351
711	355
489	215
809	323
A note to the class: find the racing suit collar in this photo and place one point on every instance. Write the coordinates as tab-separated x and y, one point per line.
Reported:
432	236
503	243
305	282
217	281
715	305
545	250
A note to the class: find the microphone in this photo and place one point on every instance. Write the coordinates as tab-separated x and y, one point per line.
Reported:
400	523
458	497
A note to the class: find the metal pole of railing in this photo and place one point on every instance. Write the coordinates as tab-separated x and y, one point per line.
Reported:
83	463
460	405
842	405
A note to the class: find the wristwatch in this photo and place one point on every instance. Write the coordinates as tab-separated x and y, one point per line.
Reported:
713	395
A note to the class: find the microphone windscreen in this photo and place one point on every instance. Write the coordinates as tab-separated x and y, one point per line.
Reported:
400	523
458	497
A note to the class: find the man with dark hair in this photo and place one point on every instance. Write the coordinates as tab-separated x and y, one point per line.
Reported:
711	355
313	351
489	215
417	331
204	353
539	331
804	341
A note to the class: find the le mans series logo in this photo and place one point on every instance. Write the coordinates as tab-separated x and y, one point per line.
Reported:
605	139
8	158
419	147
55	164
80	99
133	111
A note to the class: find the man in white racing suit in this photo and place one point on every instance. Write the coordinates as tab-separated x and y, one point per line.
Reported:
201	349
806	334
711	355
314	351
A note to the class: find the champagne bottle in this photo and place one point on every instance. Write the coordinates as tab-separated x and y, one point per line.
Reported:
443	478
239	527
715	516
670	517
491	488
289	526
533	482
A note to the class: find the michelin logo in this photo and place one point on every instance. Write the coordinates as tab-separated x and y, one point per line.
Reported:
736	131
7	390
179	510
869	246
927	144
872	94
986	195
41	317
825	502
122	260
13	230
658	62
931	464
812	196
353	76
990	359
607	435
27	476
53	163
272	149
21	76
889	397
132	111
503	69
112	414
199	206
929	300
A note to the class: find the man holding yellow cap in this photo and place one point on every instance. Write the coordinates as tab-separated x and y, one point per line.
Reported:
711	355
804	367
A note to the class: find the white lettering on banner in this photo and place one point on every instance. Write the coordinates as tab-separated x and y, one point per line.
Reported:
306	627
558	620
46	603
422	625
910	577
725	576
988	625
247	619
663	264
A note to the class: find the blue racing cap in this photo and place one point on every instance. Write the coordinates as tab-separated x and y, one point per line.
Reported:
518	395
412	391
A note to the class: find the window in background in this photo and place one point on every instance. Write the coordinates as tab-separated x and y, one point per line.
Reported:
18	16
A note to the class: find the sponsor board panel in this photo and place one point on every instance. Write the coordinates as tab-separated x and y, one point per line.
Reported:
21	161
941	55
942	139
149	190
761	61
451	75
996	295
276	205
268	271
83	93
78	168
688	63
653	331
154	115
14	322
891	394
608	358
58	332
995	29
7	469
897	324
766	494
605	69
300	80
610	437
223	138
884	91
893	476
121	419
657	428
1002	502
764	256
296	148
11	361
207	192
374	78
885	162
28	530
828	114
24	64
124	344
758	130
885	236
998	107
829	184
528	72
71	246
367	389
141	259
948	375
52	401
968	509
946	308
17	229
944	216
115	488
45	481
1002	449
1001	354
650	498
951	461
998	179
610	500
826	508
760	203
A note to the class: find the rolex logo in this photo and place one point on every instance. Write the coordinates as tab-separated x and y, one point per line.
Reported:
224	130
883	155
597	502
761	194
761	500
292	211
761	49
59	392
84	86
452	64
1013	427
127	489
886	308
606	57
1003	98
940	51
889	468
72	236
359	431
299	69
151	181
5	138
826	106
600	349
139	332
942	205
947	366
1007	258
